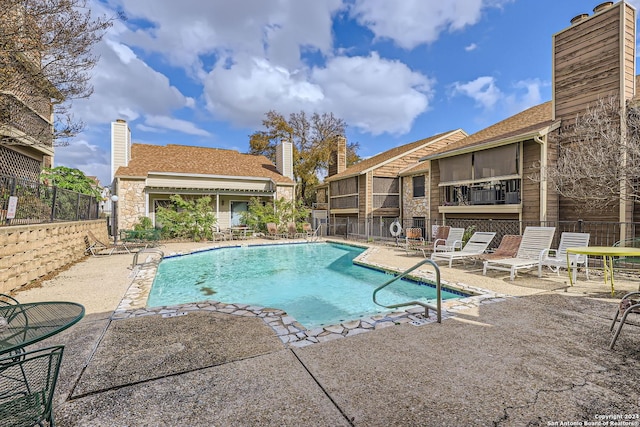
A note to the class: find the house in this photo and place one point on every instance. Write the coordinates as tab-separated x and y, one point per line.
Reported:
371	193
145	176
496	172
26	109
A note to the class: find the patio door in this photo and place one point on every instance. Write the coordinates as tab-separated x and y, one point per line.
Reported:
237	209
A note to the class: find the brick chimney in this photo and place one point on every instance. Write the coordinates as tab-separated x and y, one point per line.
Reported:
284	158
338	159
594	58
120	145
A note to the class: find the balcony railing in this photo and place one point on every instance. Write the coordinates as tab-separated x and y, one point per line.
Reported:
504	192
14	114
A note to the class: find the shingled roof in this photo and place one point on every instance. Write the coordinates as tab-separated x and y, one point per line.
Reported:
182	159
529	121
438	142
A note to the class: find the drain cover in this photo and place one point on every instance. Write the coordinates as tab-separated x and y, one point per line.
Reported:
419	322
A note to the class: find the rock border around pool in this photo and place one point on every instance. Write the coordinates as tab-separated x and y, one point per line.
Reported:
287	328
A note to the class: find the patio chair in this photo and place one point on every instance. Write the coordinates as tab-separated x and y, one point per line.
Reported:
27	384
272	231
439	234
557	258
451	243
508	248
218	234
534	241
8	300
292	230
413	237
626	307
477	244
96	248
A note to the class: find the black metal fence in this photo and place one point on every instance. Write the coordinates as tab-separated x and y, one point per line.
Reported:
24	201
380	229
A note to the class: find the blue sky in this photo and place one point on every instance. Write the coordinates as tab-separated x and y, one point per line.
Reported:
204	73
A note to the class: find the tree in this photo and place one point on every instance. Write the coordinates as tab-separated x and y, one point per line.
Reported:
46	48
70	179
599	155
313	139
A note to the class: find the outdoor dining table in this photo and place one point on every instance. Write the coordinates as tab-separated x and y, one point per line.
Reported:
25	324
607	253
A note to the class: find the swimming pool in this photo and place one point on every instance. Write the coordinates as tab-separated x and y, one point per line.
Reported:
316	283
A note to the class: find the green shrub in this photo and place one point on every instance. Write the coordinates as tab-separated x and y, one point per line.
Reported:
187	218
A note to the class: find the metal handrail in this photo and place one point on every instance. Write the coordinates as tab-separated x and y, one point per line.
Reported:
146	251
423	304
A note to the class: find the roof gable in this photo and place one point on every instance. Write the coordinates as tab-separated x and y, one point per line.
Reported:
182	160
437	141
537	118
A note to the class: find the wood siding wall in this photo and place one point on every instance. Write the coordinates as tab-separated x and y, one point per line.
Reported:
434	191
594	58
530	189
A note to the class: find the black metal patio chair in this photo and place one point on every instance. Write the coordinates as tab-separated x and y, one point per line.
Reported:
26	387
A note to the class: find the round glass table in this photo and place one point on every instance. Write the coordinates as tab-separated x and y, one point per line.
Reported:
28	323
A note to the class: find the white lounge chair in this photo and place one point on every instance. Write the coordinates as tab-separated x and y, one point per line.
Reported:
557	258
534	241
477	244
452	243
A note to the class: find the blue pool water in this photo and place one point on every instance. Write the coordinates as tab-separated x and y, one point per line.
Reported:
316	283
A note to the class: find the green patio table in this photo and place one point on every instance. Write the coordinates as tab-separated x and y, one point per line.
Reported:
607	253
28	323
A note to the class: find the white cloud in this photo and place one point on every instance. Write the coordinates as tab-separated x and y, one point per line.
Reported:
471	47
483	90
373	94
252	86
183	31
87	157
410	23
125	87
165	122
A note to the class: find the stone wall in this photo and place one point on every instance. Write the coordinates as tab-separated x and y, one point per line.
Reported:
417	207
28	252
132	203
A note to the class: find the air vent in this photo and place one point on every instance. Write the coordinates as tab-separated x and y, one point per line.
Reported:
602	6
579	18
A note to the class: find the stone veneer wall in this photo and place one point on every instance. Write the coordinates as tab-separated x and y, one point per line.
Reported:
28	252
285	192
414	207
131	204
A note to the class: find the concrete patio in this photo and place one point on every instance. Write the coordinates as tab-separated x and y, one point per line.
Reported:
538	358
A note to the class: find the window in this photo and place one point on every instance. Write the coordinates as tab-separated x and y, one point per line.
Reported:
418	186
386	192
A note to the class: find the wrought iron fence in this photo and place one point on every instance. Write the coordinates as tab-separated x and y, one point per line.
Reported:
24	201
379	228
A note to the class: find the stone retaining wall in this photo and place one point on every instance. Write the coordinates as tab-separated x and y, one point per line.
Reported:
28	252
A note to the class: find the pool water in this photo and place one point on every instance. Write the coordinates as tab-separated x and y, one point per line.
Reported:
316	283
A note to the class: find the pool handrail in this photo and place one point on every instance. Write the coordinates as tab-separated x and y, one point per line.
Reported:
426	306
146	251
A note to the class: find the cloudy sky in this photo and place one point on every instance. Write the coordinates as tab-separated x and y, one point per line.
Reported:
205	73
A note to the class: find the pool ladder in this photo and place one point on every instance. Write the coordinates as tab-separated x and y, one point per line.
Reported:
437	307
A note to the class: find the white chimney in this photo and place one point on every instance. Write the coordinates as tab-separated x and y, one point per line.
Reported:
284	158
120	145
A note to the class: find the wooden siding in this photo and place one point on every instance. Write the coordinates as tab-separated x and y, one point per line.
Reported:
119	145
364	191
592	59
434	191
530	189
552	195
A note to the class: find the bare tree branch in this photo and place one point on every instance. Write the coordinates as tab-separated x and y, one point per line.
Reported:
46	54
599	154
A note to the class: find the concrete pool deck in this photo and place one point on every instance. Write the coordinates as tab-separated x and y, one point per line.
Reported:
537	357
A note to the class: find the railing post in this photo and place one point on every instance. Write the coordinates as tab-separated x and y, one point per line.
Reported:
53	203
